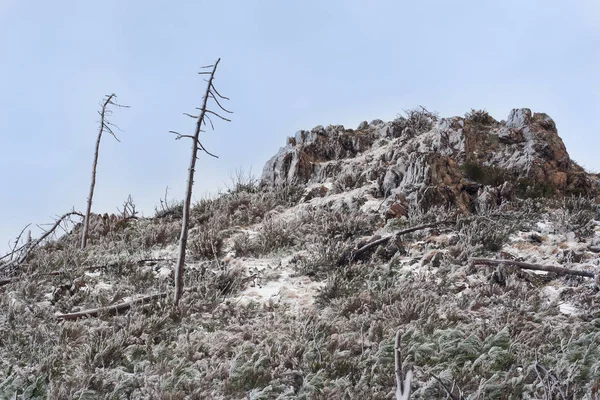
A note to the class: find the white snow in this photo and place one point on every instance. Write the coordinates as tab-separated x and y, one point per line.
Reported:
283	287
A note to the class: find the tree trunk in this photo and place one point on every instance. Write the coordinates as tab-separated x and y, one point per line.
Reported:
86	222
179	269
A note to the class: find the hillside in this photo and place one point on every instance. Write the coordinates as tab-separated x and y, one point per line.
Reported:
297	282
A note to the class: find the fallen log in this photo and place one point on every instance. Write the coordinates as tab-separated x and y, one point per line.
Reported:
356	253
114	309
535	267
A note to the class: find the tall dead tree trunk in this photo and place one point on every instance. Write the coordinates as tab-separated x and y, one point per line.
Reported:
211	92
104	125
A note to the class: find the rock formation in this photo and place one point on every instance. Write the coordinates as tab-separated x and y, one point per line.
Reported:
472	163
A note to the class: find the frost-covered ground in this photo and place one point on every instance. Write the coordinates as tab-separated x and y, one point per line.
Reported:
275	308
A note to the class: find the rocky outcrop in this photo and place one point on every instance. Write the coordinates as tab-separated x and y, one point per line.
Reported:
473	163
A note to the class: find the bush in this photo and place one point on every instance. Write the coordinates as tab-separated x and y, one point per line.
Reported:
419	120
479	117
485	174
206	241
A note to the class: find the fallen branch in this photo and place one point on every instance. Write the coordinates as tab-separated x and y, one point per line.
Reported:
30	246
535	267
114	309
386	239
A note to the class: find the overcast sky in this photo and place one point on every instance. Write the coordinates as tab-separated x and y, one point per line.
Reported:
286	65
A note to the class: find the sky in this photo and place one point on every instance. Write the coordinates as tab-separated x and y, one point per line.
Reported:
285	65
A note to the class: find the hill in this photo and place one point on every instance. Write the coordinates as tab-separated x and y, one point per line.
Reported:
298	282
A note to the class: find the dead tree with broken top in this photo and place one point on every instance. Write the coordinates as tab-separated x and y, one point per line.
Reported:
204	114
108	126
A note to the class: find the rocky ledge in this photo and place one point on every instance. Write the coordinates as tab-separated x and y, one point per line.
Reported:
422	161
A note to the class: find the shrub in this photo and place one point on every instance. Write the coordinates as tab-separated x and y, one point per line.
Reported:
479	117
419	120
485	174
206	242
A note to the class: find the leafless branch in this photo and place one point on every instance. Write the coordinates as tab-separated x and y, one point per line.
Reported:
33	244
218	94
535	267
219	104
386	239
179	135
114	309
12	252
206	151
448	391
214	113
209	120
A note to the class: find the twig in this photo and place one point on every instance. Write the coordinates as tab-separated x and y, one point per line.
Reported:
535	267
17	241
448	391
114	309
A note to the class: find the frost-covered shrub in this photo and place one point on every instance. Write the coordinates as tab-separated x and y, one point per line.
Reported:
479	116
348	179
418	120
484	233
340	224
244	245
276	233
576	214
155	233
206	241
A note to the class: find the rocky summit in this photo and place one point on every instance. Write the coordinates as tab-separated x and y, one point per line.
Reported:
423	258
421	160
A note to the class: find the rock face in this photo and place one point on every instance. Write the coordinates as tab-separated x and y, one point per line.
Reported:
472	163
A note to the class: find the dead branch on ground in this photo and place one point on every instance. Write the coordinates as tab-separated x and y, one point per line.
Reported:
30	246
356	253
114	309
535	267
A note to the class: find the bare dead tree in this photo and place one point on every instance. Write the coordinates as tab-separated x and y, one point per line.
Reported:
204	114
108	126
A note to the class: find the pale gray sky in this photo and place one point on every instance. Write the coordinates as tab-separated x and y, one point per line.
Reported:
286	66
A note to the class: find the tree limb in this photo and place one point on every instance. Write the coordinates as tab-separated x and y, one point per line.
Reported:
535	267
28	248
218	94
386	239
214	113
114	309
